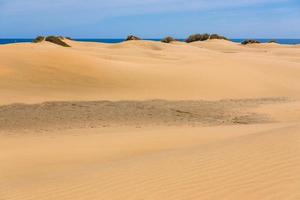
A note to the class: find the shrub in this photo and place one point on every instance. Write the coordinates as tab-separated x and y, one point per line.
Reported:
216	36
203	37
250	42
57	40
272	41
197	37
168	39
132	37
39	39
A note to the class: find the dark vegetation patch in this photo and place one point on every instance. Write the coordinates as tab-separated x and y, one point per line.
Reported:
53	39
250	42
197	37
39	39
216	36
57	40
203	37
132	37
272	41
168	40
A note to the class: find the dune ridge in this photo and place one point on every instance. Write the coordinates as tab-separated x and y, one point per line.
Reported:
143	70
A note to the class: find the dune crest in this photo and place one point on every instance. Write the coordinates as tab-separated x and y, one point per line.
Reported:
142	70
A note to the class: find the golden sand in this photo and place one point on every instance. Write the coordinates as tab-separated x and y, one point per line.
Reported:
79	124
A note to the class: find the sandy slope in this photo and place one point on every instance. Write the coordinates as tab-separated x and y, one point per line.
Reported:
214	135
147	70
231	162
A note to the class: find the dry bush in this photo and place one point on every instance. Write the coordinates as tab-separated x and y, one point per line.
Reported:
250	42
216	36
272	41
197	37
132	37
39	39
168	40
57	40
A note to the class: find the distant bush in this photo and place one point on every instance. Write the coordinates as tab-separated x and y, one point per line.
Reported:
250	42
39	39
197	37
272	41
57	40
132	37
168	39
63	38
203	37
216	36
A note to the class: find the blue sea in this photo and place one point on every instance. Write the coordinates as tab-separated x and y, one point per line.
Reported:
280	41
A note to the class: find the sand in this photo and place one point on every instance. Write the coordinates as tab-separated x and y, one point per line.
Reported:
147	120
143	70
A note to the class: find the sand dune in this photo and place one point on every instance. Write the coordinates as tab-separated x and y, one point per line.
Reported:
249	162
147	120
141	70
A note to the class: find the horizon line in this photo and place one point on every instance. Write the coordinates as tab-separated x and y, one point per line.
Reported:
158	38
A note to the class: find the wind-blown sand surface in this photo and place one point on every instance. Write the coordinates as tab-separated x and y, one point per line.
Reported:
142	70
147	120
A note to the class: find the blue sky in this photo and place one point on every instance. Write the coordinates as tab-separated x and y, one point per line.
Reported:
150	18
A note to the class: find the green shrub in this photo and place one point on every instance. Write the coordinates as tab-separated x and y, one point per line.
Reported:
203	37
216	36
250	42
168	39
197	37
39	39
132	37
272	41
57	40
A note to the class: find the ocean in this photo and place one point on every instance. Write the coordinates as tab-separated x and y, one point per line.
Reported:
280	41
